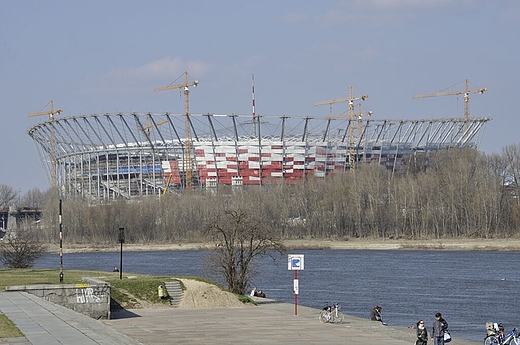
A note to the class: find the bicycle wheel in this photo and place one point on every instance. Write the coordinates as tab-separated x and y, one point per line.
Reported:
324	316
514	341
491	340
338	317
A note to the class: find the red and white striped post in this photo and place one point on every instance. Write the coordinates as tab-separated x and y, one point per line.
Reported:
295	263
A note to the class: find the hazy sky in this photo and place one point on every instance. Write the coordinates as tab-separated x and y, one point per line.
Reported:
94	57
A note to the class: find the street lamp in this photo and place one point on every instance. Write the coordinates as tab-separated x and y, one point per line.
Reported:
121	240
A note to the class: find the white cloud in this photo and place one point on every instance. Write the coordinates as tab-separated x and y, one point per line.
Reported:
382	4
157	72
383	12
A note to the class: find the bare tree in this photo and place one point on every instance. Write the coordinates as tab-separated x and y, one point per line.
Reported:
240	238
7	196
20	249
33	198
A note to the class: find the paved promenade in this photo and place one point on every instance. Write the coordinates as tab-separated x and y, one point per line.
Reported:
271	322
46	323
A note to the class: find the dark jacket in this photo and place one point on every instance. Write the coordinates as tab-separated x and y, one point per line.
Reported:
439	326
375	315
422	336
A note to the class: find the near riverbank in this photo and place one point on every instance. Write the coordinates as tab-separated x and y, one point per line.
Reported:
369	244
270	322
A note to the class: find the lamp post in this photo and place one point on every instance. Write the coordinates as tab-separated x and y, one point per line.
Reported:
121	240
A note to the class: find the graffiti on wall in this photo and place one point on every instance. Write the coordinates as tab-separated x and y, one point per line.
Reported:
90	295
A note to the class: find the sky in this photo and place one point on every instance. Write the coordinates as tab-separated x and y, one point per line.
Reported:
96	57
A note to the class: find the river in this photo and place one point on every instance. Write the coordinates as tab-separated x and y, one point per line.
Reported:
469	288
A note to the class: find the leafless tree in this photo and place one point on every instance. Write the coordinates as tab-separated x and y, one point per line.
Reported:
240	238
7	196
33	198
20	249
450	193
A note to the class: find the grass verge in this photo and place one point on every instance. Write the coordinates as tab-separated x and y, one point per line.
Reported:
8	329
132	292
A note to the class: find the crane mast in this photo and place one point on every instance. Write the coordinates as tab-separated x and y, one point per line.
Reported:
360	115
187	132
351	115
466	92
52	144
146	128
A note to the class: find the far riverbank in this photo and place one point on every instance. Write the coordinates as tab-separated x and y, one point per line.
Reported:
366	244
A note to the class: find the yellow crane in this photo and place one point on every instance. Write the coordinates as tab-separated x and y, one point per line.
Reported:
52	148
351	99
165	190
464	92
48	112
187	132
360	115
146	128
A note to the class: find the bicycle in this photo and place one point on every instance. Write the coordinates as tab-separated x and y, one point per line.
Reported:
331	314
512	338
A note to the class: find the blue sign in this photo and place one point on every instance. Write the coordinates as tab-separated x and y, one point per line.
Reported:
295	262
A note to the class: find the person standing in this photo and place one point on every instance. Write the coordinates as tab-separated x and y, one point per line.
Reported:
422	333
439	326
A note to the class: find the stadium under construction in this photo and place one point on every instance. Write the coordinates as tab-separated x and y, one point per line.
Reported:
108	156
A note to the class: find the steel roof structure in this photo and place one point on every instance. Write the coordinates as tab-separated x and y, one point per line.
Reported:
126	155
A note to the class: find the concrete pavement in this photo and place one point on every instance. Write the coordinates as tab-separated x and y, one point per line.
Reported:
46	323
270	322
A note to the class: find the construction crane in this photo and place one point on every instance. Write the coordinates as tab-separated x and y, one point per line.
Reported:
360	115
187	132
146	128
464	92
351	99
52	146
165	190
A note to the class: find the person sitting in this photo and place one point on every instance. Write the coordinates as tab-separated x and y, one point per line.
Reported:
115	269
253	292
261	294
375	314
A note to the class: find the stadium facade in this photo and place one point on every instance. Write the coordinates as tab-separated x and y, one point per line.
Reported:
110	156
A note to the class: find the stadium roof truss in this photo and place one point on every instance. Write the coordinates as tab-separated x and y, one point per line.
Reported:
126	155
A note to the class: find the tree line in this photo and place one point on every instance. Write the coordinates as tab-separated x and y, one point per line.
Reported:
457	193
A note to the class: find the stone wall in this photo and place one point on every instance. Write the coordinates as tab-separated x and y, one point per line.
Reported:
91	298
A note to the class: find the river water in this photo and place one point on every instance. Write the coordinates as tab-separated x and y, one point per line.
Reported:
468	288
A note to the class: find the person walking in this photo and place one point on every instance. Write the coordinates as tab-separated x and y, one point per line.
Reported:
422	333
439	327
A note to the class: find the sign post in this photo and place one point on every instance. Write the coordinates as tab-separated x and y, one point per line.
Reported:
61	245
295	263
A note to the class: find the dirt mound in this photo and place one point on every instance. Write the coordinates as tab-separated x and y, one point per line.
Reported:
203	295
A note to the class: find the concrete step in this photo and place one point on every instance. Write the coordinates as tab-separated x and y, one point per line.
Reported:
175	292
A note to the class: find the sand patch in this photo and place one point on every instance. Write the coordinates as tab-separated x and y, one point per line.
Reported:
203	295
